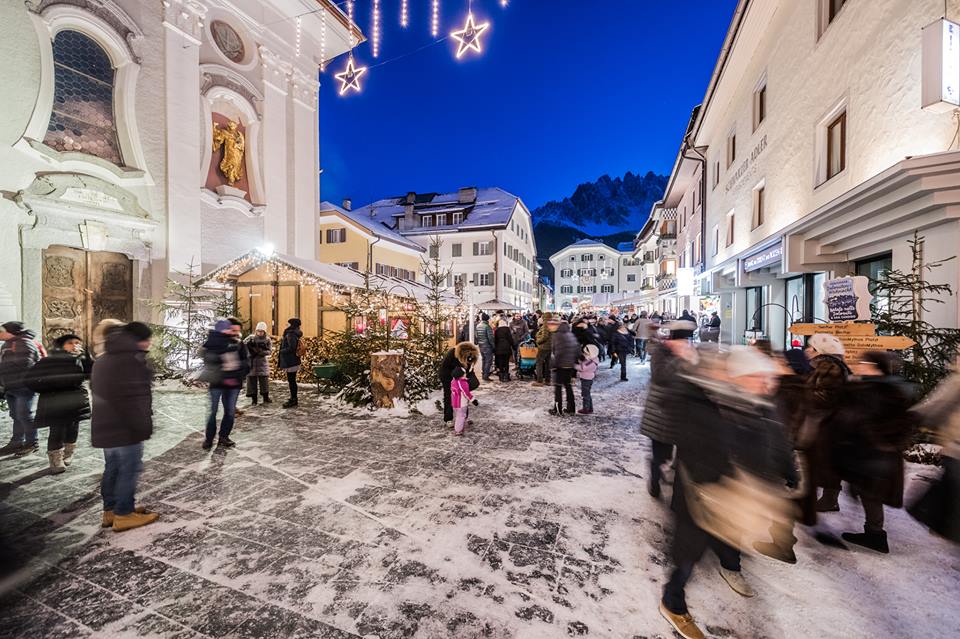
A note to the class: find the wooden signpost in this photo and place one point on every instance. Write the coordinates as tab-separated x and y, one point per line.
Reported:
857	339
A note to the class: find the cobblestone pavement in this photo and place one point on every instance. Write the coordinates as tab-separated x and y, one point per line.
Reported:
326	522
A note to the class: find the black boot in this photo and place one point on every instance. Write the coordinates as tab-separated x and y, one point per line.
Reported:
28	449
253	400
872	540
290	403
267	400
11	447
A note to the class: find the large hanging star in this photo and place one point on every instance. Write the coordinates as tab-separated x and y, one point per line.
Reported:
469	36
350	77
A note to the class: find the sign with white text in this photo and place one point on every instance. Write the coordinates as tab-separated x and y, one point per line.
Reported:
940	76
847	299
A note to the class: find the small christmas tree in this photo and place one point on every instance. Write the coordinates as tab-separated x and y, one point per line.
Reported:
187	311
902	299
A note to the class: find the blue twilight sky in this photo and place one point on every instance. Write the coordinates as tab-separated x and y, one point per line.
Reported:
565	91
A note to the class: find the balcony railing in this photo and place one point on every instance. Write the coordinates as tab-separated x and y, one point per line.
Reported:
666	282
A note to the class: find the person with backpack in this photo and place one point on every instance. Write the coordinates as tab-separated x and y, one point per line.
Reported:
259	346
292	350
226	364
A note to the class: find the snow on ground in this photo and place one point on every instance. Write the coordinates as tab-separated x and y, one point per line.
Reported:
328	522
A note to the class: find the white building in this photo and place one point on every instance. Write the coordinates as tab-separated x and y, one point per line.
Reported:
109	174
821	160
485	235
589	273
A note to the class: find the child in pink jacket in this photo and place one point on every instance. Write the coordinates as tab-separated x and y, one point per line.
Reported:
586	370
459	396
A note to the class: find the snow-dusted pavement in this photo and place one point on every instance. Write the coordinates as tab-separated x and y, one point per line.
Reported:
326	522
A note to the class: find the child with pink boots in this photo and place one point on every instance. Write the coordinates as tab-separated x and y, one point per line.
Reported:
460	395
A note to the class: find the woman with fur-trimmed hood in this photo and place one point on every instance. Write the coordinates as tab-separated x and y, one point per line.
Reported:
464	354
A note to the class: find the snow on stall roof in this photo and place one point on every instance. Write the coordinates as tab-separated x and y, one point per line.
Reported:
493	207
374	226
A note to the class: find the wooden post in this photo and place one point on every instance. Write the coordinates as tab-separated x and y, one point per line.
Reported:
386	378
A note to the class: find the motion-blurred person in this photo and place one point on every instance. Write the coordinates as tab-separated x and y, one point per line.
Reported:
566	353
668	360
18	354
101	331
503	348
122	419
870	430
63	401
259	346
643	331
226	363
621	343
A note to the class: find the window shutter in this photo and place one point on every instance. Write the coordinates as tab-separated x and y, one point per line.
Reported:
493	279
476	248
473	276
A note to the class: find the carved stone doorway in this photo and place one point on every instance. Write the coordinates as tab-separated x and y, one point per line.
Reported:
80	288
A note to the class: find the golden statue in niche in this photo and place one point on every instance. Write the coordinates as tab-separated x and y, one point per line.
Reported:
231	139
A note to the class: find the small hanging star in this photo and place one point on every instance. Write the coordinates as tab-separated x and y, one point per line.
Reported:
350	77
469	36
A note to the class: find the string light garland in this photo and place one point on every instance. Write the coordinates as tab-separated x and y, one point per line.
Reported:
350	77
375	29
299	34
435	19
404	13
323	39
469	36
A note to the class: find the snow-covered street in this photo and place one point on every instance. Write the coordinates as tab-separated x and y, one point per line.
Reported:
325	522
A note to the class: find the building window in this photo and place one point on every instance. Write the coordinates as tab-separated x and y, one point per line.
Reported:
631	277
827	12
586	258
716	173
697	249
566	273
759	204
606	288
82	119
731	149
566	289
875	268
426	220
731	219
760	105
482	248
754	302
457	218
484	279
456	250
837	145
434	250
441	219
336	236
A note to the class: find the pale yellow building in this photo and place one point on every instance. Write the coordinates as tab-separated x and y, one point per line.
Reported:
366	245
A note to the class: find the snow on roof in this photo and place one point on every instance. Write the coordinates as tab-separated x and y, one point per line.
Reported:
373	226
493	207
584	243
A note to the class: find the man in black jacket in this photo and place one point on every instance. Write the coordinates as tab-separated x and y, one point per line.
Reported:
122	420
226	365
18	355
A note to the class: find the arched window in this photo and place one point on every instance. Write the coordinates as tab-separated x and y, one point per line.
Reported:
82	120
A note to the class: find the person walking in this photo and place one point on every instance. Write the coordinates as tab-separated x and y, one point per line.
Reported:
464	355
18	354
670	358
62	400
643	331
520	331
504	346
461	397
484	337
566	352
226	364
544	348
291	356
621	342
122	419
824	387
587	370
259	346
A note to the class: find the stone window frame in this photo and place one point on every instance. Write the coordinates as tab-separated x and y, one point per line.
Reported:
821	169
66	17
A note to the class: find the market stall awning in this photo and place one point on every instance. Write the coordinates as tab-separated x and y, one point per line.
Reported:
497	305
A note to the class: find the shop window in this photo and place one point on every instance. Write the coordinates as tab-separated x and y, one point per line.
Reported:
82	120
754	308
875	268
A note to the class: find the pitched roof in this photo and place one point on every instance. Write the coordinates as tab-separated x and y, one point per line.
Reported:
371	225
584	243
492	208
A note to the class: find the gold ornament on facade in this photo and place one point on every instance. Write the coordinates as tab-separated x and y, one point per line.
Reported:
232	141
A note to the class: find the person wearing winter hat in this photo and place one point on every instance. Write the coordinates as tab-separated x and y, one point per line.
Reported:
290	357
18	354
587	371
226	364
259	346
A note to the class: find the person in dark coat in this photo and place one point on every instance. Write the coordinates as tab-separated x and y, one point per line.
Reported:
621	343
503	347
227	363
289	357
63	401
18	354
520	330
870	430
259	346
566	353
544	338
669	359
464	355
122	419
485	340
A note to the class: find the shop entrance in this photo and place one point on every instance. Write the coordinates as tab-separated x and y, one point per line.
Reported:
80	288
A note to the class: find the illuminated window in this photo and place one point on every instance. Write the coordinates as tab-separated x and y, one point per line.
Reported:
82	120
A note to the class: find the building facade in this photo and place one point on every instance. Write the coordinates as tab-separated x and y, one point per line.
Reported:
821	159
590	274
484	235
346	239
140	138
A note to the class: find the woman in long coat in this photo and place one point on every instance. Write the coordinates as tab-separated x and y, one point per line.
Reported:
259	346
289	357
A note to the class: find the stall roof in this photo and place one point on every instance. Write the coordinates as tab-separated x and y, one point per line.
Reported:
337	276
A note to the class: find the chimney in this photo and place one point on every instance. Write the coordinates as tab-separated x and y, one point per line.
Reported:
409	203
467	195
347	204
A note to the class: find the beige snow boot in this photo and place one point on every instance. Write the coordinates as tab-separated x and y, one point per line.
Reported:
68	450
56	461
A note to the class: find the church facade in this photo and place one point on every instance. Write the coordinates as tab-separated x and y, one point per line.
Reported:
143	139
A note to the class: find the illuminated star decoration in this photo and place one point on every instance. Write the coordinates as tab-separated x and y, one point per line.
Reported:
350	77
469	36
